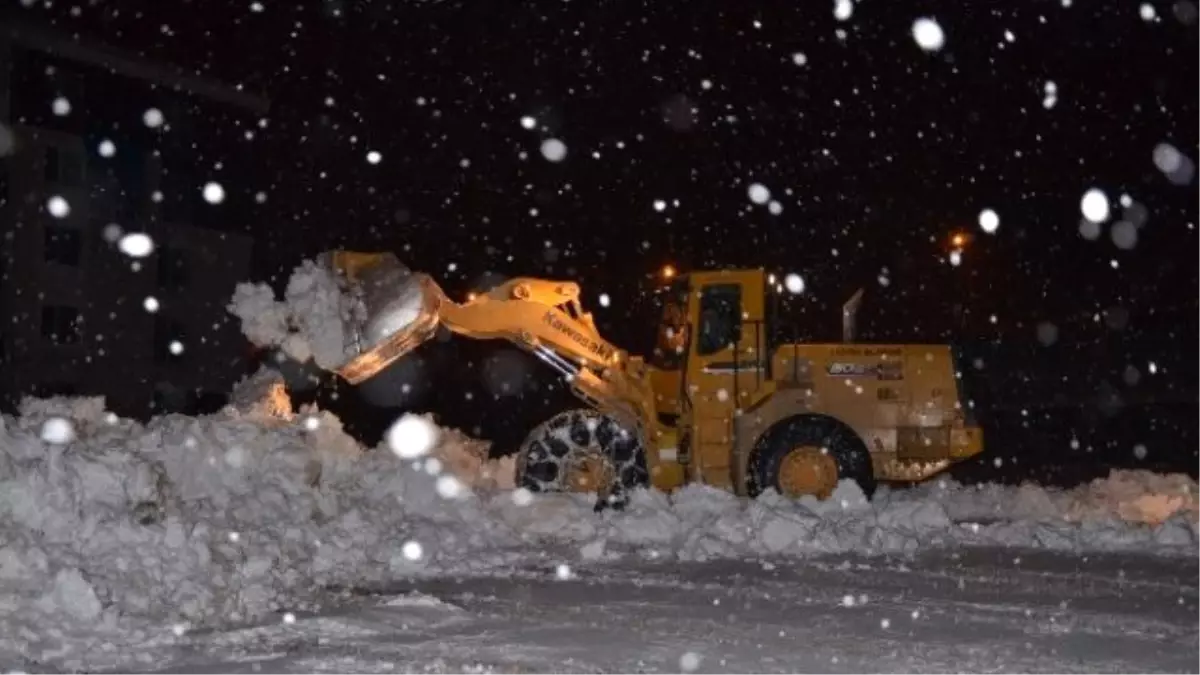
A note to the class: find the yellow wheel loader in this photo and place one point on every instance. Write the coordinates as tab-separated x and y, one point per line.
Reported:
719	402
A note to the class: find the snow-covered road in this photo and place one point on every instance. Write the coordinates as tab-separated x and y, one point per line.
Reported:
976	610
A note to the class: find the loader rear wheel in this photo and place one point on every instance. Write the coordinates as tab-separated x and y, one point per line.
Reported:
582	451
809	455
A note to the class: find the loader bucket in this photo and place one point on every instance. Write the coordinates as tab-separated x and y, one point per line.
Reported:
393	310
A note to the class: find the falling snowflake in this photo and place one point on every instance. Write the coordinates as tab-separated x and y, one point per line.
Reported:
1124	235
843	10
107	148
758	193
989	221
411	437
412	550
58	207
554	150
928	34
450	487
794	283
1094	205
136	245
214	193
58	431
1049	95
153	118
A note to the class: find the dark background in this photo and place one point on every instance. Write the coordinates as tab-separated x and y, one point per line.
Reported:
877	151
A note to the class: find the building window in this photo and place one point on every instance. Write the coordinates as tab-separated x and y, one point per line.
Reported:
64	166
61	324
172	268
63	245
170	340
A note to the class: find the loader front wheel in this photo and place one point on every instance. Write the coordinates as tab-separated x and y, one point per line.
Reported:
582	451
809	455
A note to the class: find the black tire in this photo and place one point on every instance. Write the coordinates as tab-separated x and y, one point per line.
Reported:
541	457
849	452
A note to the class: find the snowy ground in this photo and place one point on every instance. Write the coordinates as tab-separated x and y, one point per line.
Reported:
977	610
191	543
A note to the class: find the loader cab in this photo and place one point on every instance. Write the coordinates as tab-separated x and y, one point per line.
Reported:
716	306
726	310
710	356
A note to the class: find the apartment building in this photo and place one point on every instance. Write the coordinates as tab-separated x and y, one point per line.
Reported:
81	160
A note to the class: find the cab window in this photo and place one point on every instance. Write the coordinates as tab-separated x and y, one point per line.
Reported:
720	318
671	343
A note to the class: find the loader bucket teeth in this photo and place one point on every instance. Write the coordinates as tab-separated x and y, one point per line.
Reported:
392	311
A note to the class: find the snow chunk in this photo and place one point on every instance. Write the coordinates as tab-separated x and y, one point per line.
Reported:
307	324
73	595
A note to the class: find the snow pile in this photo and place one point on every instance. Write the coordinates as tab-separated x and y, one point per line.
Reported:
206	520
218	519
699	523
307	324
1136	496
1126	496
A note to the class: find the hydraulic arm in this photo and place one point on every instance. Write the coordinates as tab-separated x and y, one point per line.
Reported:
397	310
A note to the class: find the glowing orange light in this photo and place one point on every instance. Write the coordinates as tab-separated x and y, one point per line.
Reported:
668	272
471	297
959	239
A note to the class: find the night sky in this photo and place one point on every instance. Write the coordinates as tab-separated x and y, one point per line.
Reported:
876	150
